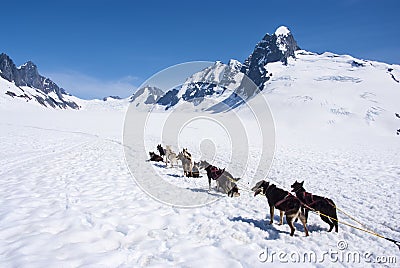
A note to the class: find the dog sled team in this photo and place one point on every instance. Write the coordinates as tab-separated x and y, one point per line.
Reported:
294	205
226	183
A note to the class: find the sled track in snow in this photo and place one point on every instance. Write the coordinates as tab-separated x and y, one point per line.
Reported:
90	138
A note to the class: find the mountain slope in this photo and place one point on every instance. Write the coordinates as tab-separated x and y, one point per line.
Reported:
26	83
216	82
332	91
326	91
146	97
226	83
272	48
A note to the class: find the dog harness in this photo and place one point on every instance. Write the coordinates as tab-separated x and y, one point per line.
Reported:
287	197
216	172
309	199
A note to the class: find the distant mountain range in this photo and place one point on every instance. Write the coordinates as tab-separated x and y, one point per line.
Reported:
332	89
299	85
225	82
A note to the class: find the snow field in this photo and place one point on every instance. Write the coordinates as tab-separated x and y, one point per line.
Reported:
77	205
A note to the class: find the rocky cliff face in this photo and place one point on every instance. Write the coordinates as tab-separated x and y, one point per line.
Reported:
272	48
48	94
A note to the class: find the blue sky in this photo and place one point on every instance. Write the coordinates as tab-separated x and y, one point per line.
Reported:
100	48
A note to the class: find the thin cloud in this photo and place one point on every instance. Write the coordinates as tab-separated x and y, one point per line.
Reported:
89	87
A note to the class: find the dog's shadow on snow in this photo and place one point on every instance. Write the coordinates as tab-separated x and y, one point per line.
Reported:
263	225
197	190
274	234
313	228
160	165
174	175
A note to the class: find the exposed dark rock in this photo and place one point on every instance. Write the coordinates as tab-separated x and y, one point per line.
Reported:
28	75
169	99
357	64
12	94
112	97
218	78
272	48
394	78
198	91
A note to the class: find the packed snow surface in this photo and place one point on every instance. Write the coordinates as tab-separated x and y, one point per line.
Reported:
68	198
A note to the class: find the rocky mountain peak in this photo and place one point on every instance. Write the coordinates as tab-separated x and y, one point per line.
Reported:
27	75
7	67
226	81
272	48
282	30
146	95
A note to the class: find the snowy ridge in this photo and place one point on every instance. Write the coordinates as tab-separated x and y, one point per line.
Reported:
337	94
282	30
212	84
30	86
333	92
146	97
10	95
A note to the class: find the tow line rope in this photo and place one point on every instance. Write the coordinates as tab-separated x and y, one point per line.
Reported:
397	243
364	229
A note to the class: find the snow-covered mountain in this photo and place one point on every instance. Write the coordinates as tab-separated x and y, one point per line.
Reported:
277	47
25	83
146	96
225	82
325	90
218	81
330	91
300	86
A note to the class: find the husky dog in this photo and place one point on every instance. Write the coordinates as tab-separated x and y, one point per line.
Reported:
189	157
318	203
284	201
186	153
170	156
161	150
195	170
225	181
155	157
186	164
